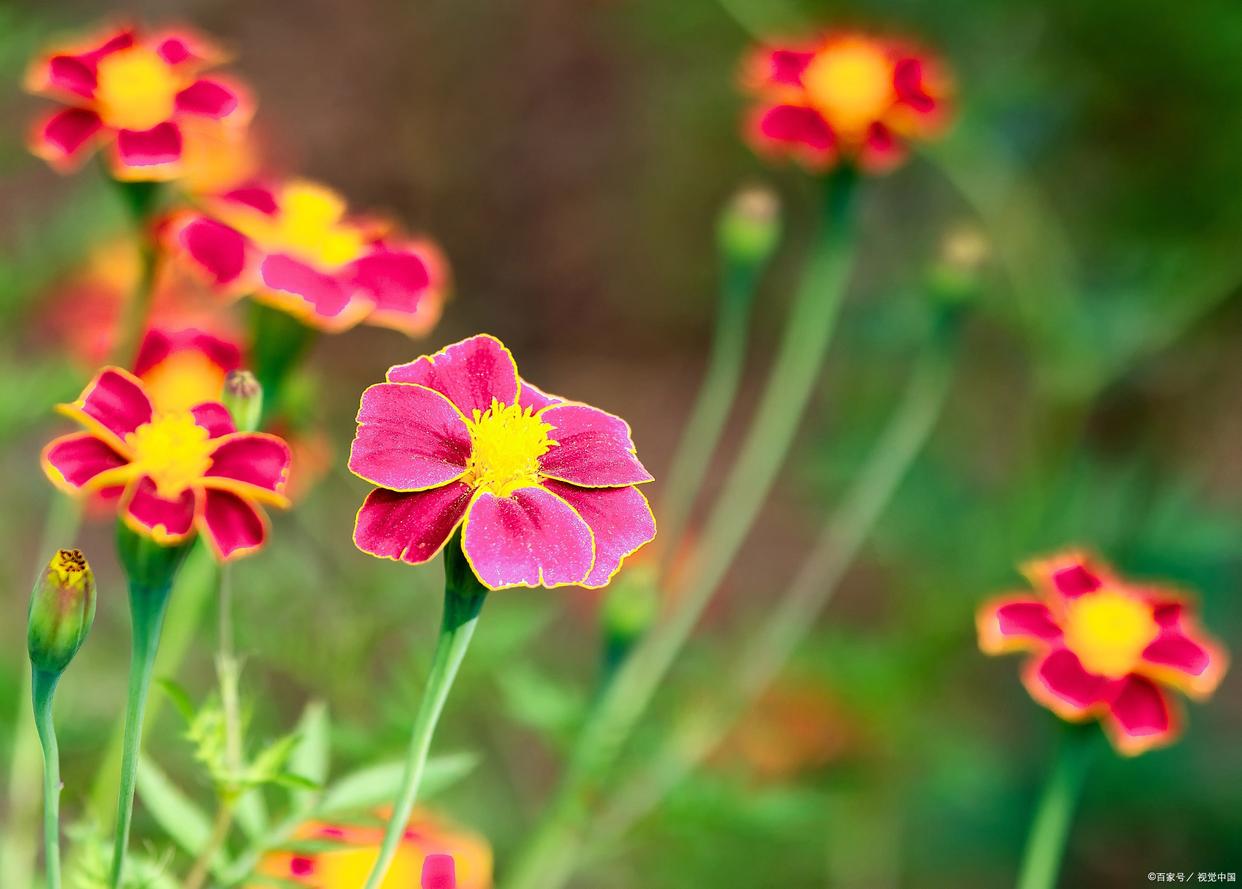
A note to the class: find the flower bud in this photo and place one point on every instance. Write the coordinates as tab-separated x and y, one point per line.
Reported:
243	396
749	226
955	275
62	609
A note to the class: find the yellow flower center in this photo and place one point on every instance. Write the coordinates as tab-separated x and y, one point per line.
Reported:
1108	631
507	443
309	225
182	380
136	89
351	867
70	567
851	84
173	450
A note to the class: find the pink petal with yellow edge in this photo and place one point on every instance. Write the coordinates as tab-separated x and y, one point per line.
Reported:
1058	681
158	146
65	138
159	344
114	404
256	197
1068	575
469	373
785	66
326	295
593	448
166	519
1015	624
1139	717
71	74
73	461
215	418
1178	657
232	526
910	84
395	280
255	459
218	249
185	47
409	438
209	98
531	396
796	125
530	538
620	520
410	526
881	151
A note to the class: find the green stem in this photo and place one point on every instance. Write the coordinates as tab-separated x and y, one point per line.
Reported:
141	200
43	685
278	341
1045	845
547	862
463	599
219	834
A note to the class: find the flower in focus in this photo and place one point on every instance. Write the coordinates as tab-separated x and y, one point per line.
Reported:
845	96
346	863
175	472
131	92
292	246
1104	647
544	489
183	368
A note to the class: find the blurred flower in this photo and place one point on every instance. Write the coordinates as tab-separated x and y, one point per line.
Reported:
293	247
1104	648
544	488
217	155
62	609
184	368
132	92
175	471
347	863
846	96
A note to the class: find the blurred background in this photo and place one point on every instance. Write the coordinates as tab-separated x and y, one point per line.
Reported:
570	157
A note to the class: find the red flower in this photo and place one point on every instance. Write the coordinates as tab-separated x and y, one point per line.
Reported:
1104	648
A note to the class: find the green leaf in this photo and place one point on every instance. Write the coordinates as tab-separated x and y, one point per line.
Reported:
374	785
180	698
310	757
183	821
251	814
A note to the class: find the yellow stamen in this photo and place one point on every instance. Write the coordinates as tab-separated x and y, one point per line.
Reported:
507	444
173	450
309	225
851	84
1108	631
136	89
70	567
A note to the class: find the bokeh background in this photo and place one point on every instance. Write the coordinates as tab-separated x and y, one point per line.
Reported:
570	156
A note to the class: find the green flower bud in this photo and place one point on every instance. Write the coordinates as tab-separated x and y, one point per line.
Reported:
62	609
956	273
243	396
749	226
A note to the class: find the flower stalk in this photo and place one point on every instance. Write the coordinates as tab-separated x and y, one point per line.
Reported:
463	600
278	342
43	687
1045	845
141	200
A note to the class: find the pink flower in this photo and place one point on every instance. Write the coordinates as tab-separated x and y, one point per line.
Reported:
172	473
1104	648
293	246
132	92
542	488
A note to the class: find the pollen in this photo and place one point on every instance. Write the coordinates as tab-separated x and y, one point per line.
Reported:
851	84
136	89
507	443
69	565
1108	631
172	450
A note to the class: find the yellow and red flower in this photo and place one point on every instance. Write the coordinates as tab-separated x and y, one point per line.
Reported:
1104	647
174	473
430	846
844	96
293	246
184	368
132	92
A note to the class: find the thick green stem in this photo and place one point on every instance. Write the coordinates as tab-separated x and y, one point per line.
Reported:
1045	844
463	599
548	860
278	342
141	200
43	686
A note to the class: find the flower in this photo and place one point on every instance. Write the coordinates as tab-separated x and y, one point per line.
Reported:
183	368
347	863
543	488
292	246
217	155
844	96
175	472
132	91
1104	648
62	609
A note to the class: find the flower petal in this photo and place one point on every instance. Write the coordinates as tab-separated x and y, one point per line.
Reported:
64	138
531	396
881	151
410	526
210	98
469	373
530	538
251	464
1015	623
218	249
164	519
1139	717
231	525
620	520
1058	681
147	151
182	47
403	284
81	460
215	418
112	405
593	449
1067	575
158	344
324	295
1183	658
798	129
409	438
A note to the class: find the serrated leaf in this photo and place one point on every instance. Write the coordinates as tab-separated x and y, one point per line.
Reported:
375	785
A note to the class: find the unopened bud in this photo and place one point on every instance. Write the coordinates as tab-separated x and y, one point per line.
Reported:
62	609
963	253
243	396
749	226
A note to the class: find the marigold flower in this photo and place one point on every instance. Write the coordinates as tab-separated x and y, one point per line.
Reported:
184	368
292	246
1104	648
217	155
543	488
132	92
844	96
176	472
346	863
